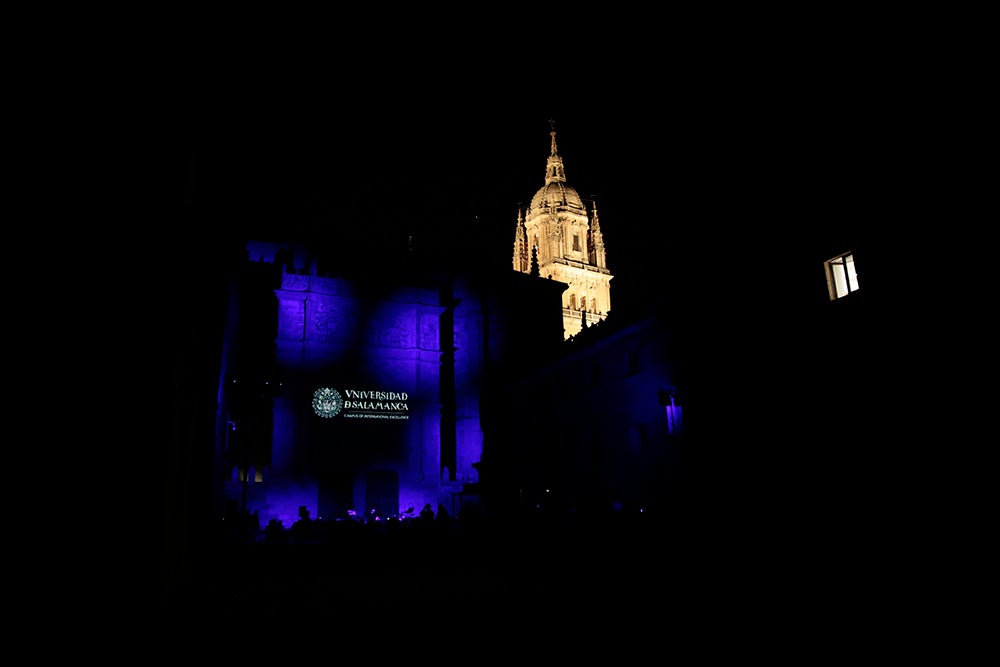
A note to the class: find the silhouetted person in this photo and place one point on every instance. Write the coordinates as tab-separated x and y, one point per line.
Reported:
274	531
427	513
303	527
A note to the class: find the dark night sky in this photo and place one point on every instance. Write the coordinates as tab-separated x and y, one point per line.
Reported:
696	153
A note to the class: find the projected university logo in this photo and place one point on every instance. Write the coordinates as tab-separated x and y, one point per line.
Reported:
361	404
327	402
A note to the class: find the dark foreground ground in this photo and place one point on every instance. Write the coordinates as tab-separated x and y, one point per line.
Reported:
644	580
405	571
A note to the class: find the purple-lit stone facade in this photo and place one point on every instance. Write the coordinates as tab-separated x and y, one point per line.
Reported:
406	430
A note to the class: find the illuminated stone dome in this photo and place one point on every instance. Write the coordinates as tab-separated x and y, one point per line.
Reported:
556	193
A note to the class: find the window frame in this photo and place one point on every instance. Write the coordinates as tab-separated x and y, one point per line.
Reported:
841	275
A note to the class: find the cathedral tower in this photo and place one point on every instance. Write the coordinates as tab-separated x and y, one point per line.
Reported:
558	237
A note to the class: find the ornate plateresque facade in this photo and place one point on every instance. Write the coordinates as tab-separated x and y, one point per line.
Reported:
560	238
